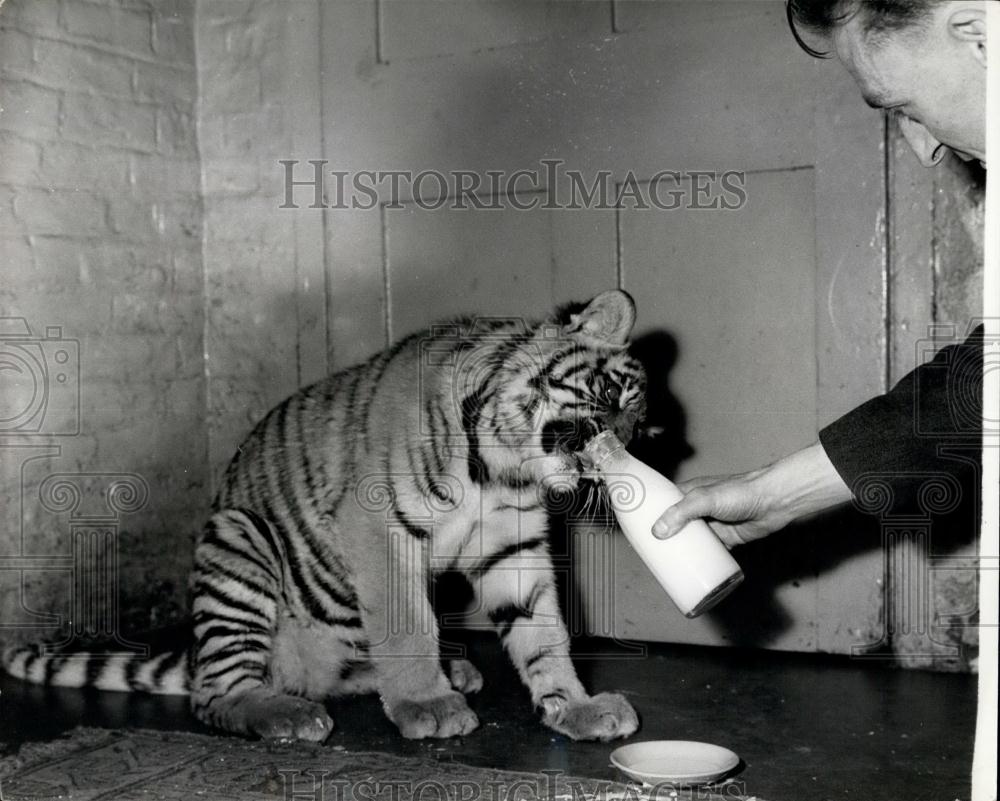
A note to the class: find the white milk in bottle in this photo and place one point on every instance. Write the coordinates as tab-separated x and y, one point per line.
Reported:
693	566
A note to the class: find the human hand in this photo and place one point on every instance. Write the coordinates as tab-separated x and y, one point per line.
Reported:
735	507
749	506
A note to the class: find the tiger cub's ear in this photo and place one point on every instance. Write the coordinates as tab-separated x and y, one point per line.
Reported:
607	319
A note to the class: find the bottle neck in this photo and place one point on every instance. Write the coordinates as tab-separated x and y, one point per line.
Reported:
603	448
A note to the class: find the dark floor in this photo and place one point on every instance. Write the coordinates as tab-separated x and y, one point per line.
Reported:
806	727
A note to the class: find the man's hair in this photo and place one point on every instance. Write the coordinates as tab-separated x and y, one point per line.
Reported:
822	16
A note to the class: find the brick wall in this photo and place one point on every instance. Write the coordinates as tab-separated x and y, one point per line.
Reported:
264	273
100	234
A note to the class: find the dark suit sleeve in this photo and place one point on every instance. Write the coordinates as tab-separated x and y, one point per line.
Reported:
923	425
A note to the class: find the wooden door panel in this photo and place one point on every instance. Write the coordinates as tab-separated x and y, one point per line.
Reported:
640	102
499	263
736	289
411	29
778	308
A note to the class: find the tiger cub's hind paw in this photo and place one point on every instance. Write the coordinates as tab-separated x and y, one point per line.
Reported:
284	717
464	676
606	716
443	716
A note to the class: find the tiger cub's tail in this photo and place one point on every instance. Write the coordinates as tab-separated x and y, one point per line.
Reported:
164	673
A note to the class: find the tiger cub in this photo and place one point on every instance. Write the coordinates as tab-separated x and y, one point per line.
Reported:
311	578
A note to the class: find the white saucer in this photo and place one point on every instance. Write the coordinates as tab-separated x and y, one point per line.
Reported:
674	761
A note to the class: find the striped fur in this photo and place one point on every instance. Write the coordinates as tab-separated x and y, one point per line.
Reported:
312	577
164	673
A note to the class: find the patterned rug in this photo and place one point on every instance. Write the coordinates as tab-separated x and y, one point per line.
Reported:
98	765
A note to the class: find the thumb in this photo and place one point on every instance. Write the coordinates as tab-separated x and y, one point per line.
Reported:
697	503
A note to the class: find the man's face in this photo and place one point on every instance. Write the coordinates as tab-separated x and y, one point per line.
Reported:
933	75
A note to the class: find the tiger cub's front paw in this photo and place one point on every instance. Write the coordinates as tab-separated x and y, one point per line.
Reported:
602	717
284	717
443	716
464	676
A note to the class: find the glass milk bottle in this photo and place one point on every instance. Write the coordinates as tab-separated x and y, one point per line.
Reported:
693	566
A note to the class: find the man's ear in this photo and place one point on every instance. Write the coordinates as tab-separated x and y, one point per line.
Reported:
969	25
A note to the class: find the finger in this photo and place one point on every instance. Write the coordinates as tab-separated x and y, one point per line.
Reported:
732	536
727	535
697	503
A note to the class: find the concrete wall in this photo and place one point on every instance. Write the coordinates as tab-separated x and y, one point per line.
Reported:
935	285
100	234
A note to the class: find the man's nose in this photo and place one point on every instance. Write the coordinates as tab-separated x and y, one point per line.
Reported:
928	149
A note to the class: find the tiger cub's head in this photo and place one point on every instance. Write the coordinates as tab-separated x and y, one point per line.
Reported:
553	387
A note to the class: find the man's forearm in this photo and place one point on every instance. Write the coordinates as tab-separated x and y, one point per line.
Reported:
801	484
752	505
